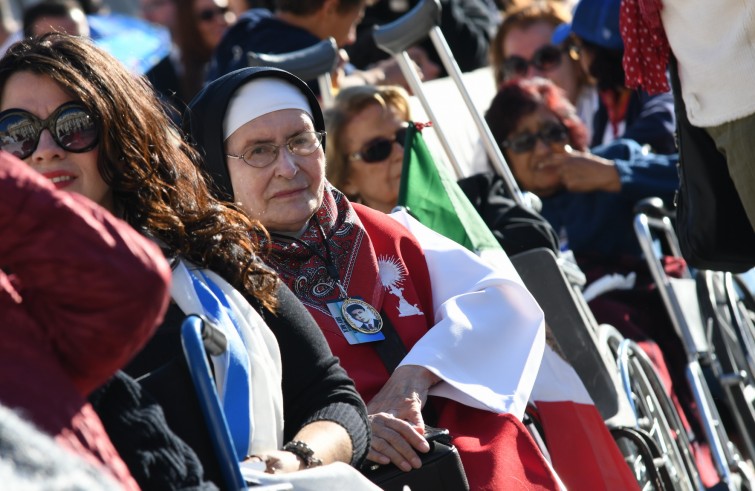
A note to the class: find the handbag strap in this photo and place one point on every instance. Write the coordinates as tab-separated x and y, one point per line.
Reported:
392	349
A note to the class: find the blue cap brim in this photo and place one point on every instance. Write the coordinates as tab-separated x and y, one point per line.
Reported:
561	33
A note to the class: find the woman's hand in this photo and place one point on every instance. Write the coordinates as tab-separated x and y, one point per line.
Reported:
583	172
278	461
396	417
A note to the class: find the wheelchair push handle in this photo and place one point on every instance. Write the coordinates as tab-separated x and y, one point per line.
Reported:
654	207
215	342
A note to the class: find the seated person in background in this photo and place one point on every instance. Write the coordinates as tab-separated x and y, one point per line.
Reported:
366	134
622	112
467	26
299	24
522	47
70	313
64	16
589	196
284	385
196	31
474	334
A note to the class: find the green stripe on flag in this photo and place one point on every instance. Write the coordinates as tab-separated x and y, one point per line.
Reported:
434	198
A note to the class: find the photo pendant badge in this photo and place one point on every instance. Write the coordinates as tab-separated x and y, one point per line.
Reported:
366	321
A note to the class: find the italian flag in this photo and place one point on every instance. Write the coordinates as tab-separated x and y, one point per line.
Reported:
582	450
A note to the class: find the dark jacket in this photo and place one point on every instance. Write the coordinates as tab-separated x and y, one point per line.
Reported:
467	25
257	30
650	120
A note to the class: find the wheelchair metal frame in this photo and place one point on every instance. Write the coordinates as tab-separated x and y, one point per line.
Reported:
682	304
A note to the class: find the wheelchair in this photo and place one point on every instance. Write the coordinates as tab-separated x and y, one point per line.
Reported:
712	320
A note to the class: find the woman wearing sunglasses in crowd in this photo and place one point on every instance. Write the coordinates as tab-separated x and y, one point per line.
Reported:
261	130
622	112
197	30
522	47
366	133
77	116
589	196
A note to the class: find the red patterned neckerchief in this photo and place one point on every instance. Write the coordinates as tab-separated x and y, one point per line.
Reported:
348	247
646	48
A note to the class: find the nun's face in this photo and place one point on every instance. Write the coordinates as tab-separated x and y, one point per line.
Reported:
286	193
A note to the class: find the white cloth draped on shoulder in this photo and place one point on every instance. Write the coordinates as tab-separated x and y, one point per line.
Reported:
248	374
489	335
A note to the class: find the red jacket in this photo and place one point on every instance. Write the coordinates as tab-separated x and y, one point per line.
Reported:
80	293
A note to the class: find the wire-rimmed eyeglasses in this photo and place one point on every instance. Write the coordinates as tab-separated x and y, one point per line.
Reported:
263	154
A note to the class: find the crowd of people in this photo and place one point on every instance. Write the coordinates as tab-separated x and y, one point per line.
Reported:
207	187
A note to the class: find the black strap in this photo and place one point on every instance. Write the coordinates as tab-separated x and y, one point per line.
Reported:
392	349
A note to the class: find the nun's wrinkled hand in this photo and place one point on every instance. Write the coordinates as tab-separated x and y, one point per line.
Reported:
395	440
404	394
396	417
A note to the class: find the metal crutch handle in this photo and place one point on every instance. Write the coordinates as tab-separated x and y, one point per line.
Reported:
314	62
408	29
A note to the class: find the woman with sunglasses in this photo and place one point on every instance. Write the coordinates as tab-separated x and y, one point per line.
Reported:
589	197
522	47
261	130
367	128
76	115
197	30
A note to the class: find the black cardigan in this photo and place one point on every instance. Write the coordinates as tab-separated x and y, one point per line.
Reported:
315	386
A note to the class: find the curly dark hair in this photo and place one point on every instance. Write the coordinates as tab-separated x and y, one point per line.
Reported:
157	184
520	97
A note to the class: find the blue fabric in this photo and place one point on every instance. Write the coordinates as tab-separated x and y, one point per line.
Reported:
650	120
601	223
236	398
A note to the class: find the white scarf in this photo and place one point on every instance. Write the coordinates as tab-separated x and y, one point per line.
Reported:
247	333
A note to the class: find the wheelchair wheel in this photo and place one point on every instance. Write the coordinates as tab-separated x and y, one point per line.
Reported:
731	333
656	417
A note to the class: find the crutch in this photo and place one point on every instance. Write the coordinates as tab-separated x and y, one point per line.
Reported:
396	37
315	62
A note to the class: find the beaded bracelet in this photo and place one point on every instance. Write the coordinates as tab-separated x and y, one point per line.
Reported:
302	450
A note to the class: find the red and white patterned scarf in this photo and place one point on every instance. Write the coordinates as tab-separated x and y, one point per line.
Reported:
646	49
349	249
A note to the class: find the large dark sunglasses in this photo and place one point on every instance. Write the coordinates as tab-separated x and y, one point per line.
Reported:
544	59
549	133
71	125
380	148
209	14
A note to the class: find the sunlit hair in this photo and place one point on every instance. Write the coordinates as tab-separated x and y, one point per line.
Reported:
154	176
522	15
350	102
522	97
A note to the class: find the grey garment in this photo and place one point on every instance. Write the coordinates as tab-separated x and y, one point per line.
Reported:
735	141
32	460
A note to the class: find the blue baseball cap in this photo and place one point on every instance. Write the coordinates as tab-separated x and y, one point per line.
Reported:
595	21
